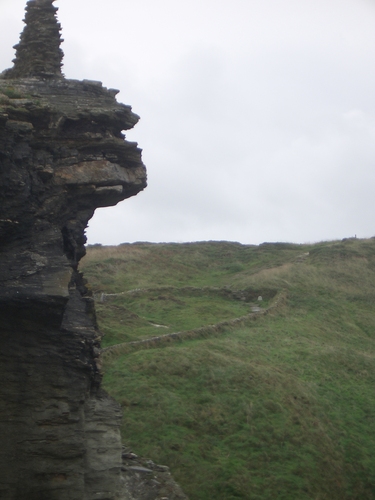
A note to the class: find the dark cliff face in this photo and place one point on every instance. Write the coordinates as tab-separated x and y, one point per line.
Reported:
62	155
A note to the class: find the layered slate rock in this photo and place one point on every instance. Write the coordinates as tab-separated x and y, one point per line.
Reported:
62	155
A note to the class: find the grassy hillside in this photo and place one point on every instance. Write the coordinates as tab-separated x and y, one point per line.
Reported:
280	406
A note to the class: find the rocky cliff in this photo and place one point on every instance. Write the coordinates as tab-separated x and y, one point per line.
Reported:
62	155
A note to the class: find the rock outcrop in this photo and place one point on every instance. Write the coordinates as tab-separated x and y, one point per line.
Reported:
38	52
62	155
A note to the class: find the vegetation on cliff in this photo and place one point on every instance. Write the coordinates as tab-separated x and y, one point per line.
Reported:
279	406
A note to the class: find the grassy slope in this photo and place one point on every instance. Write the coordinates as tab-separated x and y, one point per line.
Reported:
280	409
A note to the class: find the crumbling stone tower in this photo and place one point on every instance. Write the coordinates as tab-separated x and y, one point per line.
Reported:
38	52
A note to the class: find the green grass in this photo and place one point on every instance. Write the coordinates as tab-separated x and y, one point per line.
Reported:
147	313
113	269
12	93
281	409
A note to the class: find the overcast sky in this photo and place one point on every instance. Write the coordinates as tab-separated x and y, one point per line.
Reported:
257	116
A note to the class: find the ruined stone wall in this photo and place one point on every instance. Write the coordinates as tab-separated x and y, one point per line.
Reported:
62	155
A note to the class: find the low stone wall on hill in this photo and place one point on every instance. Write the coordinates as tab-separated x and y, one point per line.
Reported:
204	331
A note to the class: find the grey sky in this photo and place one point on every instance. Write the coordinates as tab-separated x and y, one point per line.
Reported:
257	116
